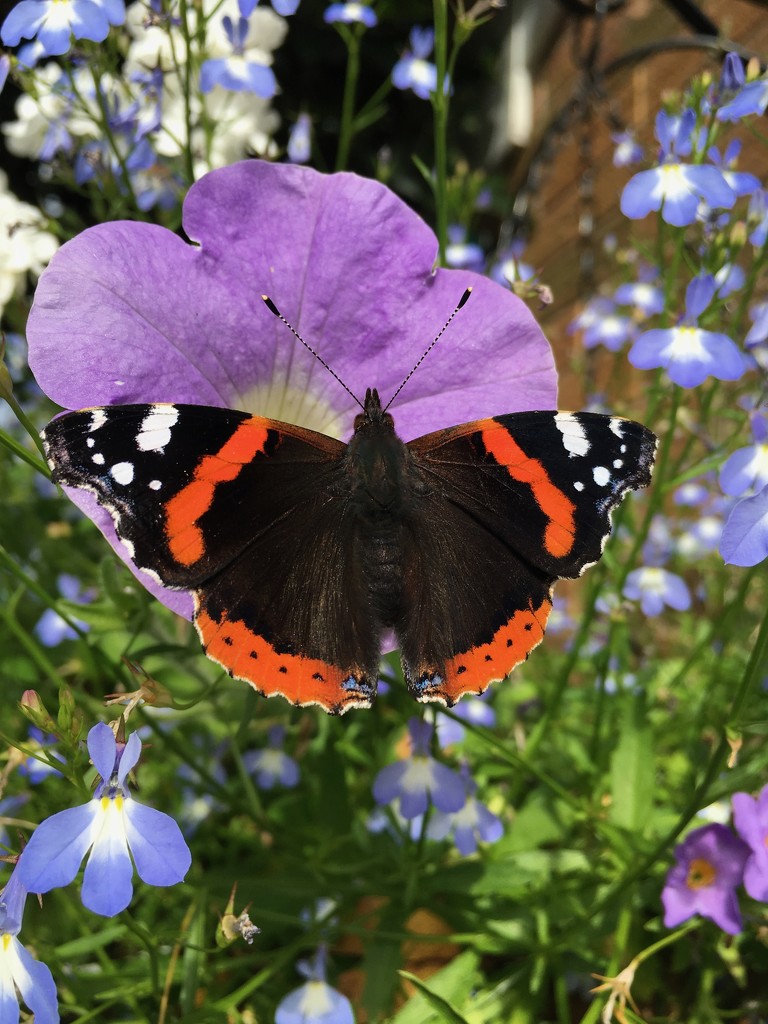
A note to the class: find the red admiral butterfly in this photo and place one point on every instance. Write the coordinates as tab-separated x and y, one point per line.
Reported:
301	551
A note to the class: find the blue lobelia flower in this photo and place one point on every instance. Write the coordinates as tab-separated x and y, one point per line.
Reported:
419	780
646	297
745	534
272	766
5	67
460	253
56	22
413	70
474	709
20	974
752	98
50	629
742	183
710	864
314	1002
113	827
628	150
282	7
351	14
758	332
757	218
471	824
299	148
674	187
746	469
656	588
687	352
236	72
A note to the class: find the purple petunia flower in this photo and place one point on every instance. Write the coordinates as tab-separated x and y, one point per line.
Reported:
419	780
351	14
413	71
19	971
114	828
710	864
750	818
236	72
130	312
687	352
674	187
272	766
314	1002
56	22
656	588
745	534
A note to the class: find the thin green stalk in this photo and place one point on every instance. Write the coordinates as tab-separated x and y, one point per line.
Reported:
21	452
185	76
347	127
440	109
31	429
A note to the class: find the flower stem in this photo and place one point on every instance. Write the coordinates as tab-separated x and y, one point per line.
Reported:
347	129
440	107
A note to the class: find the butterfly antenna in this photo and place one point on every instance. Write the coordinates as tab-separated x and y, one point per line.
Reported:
276	312
462	301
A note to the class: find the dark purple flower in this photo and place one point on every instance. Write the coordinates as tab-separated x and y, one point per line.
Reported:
745	534
710	864
750	818
130	312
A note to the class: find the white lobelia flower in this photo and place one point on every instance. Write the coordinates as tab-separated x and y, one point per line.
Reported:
25	245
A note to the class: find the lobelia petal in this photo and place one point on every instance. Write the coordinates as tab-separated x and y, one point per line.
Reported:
158	848
102	747
448	790
130	756
745	534
53	855
22	22
108	879
37	987
387	784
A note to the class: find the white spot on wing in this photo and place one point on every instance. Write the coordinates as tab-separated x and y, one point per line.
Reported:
155	430
578	486
98	458
618	463
122	472
616	425
90	442
601	476
574	437
155	485
98	419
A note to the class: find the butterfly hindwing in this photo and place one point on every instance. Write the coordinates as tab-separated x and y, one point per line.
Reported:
527	499
244	512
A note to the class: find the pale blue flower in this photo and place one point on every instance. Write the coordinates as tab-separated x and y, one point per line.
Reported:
56	23
419	780
113	827
314	1002
272	766
236	73
745	534
299	148
20	973
657	588
413	71
351	14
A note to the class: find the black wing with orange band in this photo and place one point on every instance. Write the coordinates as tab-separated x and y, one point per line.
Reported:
516	503
245	513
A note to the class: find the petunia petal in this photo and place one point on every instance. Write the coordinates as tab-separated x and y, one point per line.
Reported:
142	316
53	855
158	848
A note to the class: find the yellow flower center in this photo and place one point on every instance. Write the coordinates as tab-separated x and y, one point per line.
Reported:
701	873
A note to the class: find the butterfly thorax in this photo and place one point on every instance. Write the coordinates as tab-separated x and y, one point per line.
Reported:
383	482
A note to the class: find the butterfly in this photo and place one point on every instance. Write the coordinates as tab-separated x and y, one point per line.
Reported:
302	551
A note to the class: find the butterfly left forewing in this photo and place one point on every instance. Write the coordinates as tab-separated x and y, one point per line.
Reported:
245	513
537	489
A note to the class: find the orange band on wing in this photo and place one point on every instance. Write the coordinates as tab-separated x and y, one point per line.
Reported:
248	656
475	669
185	509
559	509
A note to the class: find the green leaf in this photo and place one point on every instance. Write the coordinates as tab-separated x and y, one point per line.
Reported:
451	984
633	770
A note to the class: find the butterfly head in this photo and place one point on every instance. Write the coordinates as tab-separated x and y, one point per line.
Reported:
373	415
